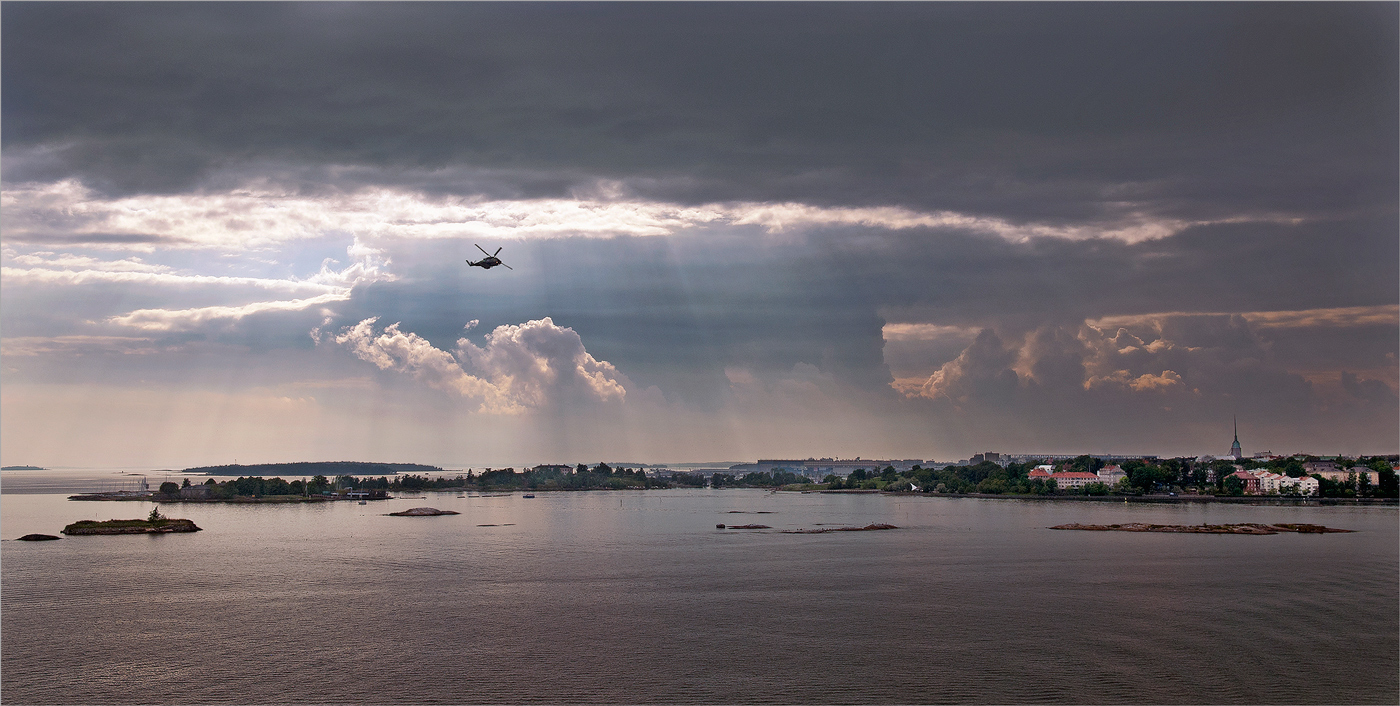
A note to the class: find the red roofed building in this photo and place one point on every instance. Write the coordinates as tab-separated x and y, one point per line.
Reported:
1251	481
1074	479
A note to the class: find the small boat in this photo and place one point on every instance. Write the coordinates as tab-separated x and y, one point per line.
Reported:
363	503
529	495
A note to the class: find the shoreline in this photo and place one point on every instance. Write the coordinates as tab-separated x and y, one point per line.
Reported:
1154	499
1127	499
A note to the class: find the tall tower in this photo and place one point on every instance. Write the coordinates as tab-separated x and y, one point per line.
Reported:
1235	449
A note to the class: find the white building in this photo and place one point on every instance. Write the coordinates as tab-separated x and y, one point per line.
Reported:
1275	484
1110	475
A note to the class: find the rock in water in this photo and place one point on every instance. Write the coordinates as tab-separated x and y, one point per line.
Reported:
423	512
37	538
161	526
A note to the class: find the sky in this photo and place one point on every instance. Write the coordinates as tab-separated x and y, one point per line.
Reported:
239	232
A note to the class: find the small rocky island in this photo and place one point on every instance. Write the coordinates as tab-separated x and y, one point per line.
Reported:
422	512
1241	528
153	525
823	530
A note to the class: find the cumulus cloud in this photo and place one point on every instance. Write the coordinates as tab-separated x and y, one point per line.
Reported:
539	361
982	371
182	319
520	367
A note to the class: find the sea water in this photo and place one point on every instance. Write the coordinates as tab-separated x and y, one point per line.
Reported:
635	596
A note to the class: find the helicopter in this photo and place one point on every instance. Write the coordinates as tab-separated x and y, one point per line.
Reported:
489	261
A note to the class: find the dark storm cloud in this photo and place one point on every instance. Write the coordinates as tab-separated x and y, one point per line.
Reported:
1047	111
970	280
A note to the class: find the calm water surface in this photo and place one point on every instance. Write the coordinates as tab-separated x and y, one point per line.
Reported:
636	597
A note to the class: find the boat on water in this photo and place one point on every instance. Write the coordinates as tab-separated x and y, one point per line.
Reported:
529	495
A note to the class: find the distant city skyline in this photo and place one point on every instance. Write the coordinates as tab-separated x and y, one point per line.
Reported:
736	230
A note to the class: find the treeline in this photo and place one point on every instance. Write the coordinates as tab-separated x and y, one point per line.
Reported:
1168	475
764	479
599	477
330	469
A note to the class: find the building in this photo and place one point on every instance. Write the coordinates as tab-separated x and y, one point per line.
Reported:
1074	479
1259	482
1110	475
1235	451
1350	476
818	468
553	468
195	492
1320	467
1251	481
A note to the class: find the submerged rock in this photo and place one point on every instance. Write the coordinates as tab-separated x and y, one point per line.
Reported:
423	512
37	538
824	530
1239	528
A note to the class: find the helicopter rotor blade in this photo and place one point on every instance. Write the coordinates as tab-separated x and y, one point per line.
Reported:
508	267
483	250
498	251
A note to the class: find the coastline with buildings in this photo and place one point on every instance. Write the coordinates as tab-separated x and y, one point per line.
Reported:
1233	477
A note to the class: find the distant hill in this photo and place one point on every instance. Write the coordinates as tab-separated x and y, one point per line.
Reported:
22	468
314	468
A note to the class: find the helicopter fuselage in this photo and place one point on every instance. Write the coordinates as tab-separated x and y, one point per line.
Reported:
486	264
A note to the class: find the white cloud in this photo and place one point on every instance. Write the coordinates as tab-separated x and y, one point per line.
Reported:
520	367
14	275
45	259
924	332
264	216
182	319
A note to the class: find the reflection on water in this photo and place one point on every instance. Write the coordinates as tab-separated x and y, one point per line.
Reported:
636	597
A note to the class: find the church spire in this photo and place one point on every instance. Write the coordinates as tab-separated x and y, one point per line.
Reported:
1235	449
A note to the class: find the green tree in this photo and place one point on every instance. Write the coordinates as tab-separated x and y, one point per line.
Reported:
155	515
169	488
1389	485
1233	485
857	475
1096	489
186	484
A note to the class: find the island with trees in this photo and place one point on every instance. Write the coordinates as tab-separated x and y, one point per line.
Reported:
314	468
155	523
